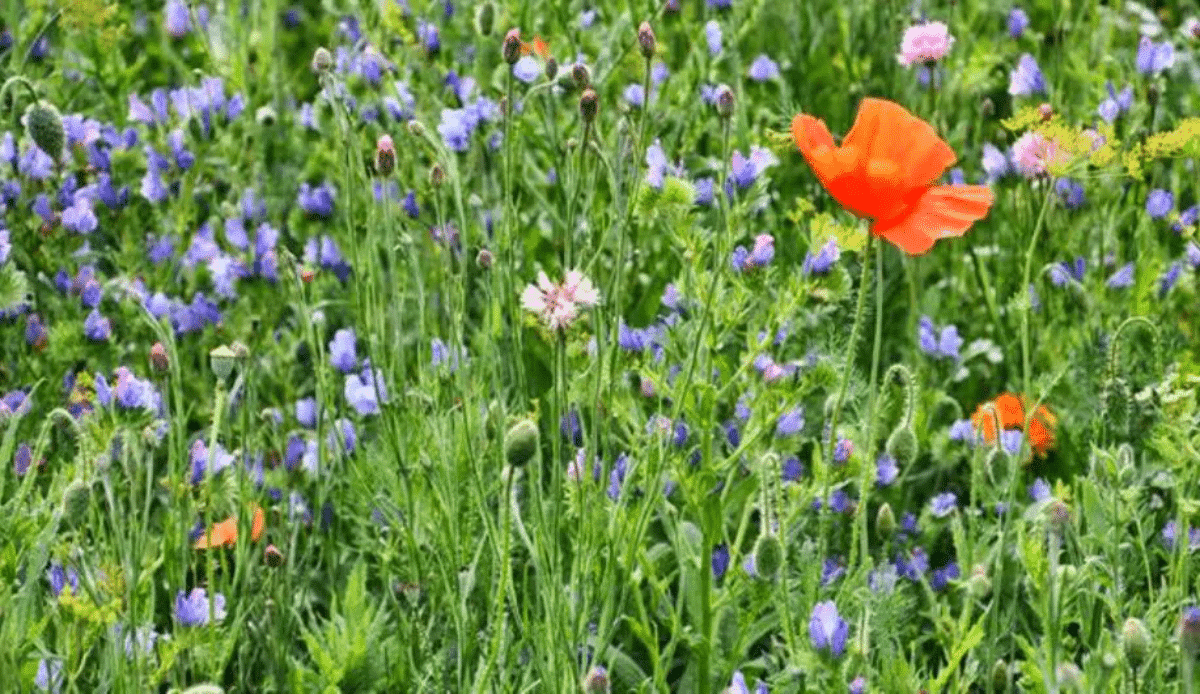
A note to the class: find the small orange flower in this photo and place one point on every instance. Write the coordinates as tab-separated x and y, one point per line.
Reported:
224	533
1010	410
885	170
538	46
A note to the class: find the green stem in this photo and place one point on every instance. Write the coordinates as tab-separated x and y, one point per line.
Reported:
1027	303
865	475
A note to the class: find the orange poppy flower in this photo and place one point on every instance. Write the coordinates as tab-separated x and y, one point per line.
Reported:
538	46
225	533
885	170
1010	410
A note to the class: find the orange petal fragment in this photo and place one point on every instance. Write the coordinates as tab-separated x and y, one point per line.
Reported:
225	533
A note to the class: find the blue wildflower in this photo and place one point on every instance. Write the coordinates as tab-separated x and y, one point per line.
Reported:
712	36
827	630
1018	22
1153	58
1122	278
943	504
1026	79
764	69
192	609
1159	203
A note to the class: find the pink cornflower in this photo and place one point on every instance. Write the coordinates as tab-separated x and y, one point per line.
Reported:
1033	154
559	304
925	43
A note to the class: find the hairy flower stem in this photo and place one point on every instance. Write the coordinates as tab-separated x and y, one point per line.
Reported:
864	486
821	469
1026	354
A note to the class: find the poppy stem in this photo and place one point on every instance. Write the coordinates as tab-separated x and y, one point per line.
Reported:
1026	357
876	348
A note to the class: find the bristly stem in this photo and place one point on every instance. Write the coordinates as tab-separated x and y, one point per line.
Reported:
1026	356
869	448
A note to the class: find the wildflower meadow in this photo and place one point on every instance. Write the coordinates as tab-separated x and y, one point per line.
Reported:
592	346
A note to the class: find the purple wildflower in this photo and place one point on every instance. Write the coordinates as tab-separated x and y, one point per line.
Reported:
1018	22
1153	58
192	609
763	69
1159	203
1122	278
827	630
1026	79
944	504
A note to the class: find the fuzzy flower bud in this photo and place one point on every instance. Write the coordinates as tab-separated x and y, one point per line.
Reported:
725	101
521	442
1135	641
485	17
437	176
484	258
44	126
1045	112
551	69
597	681
902	445
1189	631
581	75
322	60
158	358
768	555
76	498
885	521
589	104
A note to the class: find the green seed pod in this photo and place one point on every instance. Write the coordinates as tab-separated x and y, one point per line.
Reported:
768	555
1000	676
521	442
44	126
222	360
76	498
1135	641
1070	677
885	521
902	445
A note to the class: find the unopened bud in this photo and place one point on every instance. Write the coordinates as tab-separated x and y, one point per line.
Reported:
75	501
646	40
521	442
1152	94
485	16
589	104
725	101
322	60
768	555
416	128
1045	112
485	258
44	126
385	155
1070	677
512	46
265	115
1135	641
158	358
885	521
1189	631
902	445
581	75
437	176
979	584
1000	676
596	681
551	69
987	107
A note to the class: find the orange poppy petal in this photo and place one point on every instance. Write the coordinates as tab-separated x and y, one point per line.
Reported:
886	131
221	534
940	212
260	521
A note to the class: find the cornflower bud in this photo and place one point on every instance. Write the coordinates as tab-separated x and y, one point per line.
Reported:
589	104
725	101
646	40
385	155
322	60
512	46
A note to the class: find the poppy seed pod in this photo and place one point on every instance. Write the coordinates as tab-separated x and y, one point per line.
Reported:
589	105
322	60
485	17
221	359
511	49
902	445
385	155
521	442
1135	641
725	101
44	126
768	555
646	40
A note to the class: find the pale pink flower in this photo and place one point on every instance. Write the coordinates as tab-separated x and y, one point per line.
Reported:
925	43
559	305
1033	154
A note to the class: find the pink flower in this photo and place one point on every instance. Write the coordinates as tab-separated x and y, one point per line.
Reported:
1033	154
925	43
559	305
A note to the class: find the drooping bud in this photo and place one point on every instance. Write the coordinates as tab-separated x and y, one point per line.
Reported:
1135	641
589	105
902	445
521	442
646	40
768	555
322	60
158	358
485	17
725	101
44	126
512	46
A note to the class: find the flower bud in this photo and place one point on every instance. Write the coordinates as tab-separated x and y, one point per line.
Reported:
589	104
979	584
646	40
1000	676
44	126
581	75
75	500
158	358
273	556
521	442
485	17
885	521
768	555
265	115
437	176
416	128
385	155
596	681
1045	112
222	360
1070	677
725	101
987	107
902	445
1135	641
1152	94
1189	631
322	60
484	258
512	46
551	69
